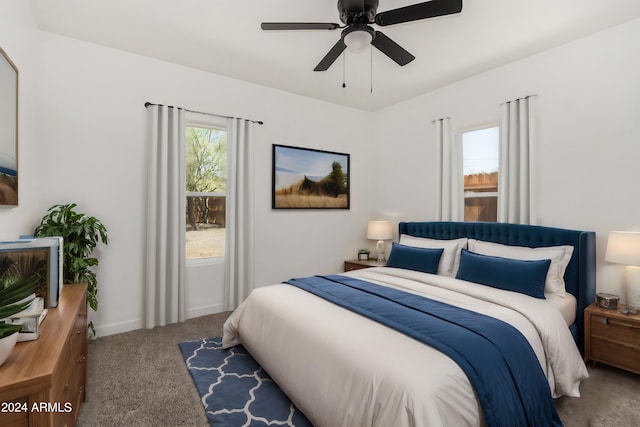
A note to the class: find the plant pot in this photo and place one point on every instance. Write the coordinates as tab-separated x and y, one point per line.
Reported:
6	345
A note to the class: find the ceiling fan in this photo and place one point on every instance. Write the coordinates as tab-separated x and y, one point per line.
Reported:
357	33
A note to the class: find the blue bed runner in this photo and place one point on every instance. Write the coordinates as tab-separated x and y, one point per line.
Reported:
498	360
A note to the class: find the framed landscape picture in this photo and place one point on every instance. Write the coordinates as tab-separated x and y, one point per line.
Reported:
305	178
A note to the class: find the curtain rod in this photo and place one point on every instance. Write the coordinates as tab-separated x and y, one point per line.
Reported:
146	104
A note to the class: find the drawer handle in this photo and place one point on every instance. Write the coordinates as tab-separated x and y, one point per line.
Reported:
66	387
624	324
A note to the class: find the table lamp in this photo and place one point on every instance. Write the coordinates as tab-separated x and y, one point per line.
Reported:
380	231
623	247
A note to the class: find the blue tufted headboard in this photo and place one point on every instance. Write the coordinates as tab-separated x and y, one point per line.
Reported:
580	276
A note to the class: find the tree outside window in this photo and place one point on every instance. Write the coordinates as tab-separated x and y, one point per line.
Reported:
206	188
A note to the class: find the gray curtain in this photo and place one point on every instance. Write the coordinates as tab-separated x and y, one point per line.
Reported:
516	183
449	188
239	254
165	244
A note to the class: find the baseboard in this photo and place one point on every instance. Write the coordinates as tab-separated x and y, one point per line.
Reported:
204	310
118	328
132	325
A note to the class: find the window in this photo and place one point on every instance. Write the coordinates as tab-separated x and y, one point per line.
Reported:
480	151
206	188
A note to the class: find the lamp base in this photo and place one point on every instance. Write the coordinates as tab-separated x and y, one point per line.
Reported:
380	249
633	286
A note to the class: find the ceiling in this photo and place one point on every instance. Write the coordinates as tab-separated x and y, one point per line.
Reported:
224	37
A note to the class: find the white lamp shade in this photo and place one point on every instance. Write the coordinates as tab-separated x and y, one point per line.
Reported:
623	247
357	41
379	230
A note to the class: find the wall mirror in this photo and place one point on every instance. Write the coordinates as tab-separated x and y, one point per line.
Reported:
8	131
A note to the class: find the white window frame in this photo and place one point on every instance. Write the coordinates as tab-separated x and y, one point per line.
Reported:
200	120
479	194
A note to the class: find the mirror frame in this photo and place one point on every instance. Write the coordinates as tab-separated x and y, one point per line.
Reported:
9	183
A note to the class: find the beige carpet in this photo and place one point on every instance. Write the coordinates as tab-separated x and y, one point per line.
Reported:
610	398
139	379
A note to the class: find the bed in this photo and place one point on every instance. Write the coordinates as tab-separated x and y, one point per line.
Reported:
342	368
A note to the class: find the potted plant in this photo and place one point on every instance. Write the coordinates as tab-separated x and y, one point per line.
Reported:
363	254
81	234
16	293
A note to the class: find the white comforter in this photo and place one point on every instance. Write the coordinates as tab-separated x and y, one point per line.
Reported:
342	369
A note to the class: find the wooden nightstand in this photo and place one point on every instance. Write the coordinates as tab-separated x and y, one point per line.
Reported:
356	264
612	337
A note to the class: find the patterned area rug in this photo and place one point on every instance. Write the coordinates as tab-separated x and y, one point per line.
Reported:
234	389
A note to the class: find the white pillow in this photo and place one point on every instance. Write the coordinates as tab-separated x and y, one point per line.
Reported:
559	256
450	259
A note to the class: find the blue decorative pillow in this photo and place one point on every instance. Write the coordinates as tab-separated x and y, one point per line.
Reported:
526	277
412	258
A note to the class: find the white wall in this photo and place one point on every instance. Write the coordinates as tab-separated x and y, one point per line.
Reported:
587	96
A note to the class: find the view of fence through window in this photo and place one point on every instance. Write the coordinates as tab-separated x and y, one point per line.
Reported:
480	164
206	187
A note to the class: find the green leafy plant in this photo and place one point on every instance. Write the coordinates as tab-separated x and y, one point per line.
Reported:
81	234
15	296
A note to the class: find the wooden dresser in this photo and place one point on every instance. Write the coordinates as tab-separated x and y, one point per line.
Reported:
612	337
42	383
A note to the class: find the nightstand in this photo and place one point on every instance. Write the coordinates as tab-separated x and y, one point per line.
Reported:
356	264
612	337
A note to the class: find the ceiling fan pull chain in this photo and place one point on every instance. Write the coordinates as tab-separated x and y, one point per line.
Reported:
344	60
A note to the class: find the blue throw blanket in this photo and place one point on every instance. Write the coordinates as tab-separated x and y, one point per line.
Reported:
498	360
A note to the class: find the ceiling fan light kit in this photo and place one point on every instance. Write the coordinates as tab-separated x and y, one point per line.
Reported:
358	16
358	37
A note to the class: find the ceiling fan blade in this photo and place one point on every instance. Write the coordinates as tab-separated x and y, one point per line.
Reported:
428	9
331	56
392	49
299	26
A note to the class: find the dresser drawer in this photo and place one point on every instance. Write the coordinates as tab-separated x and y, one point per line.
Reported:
61	387
615	330
616	354
78	338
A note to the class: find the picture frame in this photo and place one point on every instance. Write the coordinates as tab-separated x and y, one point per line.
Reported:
307	178
8	131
